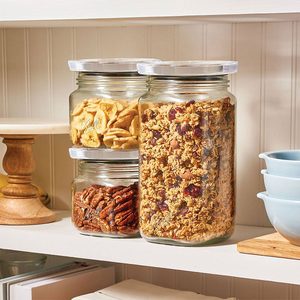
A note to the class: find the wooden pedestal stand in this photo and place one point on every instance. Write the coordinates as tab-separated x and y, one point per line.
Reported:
20	203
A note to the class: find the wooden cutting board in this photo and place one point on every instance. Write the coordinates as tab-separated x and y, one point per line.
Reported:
270	245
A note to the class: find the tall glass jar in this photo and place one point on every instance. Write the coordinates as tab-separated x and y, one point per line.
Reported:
187	137
103	109
105	198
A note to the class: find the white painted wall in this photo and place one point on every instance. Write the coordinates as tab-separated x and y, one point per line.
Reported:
35	82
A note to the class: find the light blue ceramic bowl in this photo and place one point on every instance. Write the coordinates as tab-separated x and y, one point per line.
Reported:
284	216
282	187
283	163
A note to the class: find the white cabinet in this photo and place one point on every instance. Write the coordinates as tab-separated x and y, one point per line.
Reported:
36	40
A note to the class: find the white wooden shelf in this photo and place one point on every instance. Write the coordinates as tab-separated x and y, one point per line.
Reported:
60	238
102	12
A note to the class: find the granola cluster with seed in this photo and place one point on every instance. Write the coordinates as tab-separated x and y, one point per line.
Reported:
106	210
187	170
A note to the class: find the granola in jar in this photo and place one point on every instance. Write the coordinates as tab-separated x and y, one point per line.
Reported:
187	160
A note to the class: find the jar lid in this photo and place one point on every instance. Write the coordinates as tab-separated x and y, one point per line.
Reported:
103	154
109	65
187	68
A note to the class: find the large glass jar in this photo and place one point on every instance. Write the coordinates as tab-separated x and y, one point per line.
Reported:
105	198
103	109
187	137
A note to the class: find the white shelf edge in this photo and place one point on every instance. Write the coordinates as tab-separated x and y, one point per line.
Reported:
31	13
60	238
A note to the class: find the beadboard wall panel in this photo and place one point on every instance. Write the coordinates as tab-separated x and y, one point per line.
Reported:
212	285
35	82
249	44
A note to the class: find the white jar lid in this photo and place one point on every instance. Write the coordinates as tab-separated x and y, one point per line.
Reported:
109	65
103	154
187	68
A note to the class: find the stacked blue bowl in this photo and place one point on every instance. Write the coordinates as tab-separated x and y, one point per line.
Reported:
282	196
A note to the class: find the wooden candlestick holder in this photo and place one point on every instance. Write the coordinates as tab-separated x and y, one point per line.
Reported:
20	203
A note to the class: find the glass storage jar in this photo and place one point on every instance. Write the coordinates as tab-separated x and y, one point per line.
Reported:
105	198
103	109
187	152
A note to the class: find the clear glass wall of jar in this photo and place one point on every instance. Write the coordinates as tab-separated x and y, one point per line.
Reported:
105	198
187	137
103	110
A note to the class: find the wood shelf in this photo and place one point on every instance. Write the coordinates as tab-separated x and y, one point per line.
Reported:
62	239
124	12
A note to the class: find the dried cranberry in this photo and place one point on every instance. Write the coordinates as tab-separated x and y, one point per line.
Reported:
162	205
144	118
172	114
193	191
152	114
179	109
195	155
190	103
153	141
163	160
182	210
156	134
182	130
198	132
162	194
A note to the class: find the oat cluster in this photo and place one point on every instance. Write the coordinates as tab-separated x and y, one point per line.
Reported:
103	122
106	210
186	170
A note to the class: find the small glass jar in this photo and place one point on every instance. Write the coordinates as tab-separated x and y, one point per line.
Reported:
187	153
103	109
105	198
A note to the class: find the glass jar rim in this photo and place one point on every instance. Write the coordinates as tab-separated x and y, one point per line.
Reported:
112	169
187	68
108	65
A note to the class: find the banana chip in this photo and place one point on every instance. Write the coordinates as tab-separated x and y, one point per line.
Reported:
78	109
108	140
100	121
90	138
83	121
123	122
134	126
74	136
116	122
119	132
109	107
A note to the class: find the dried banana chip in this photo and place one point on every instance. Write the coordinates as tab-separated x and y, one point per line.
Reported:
120	106
111	122
134	126
74	136
119	132
100	121
130	144
128	112
92	107
82	121
109	107
125	143
78	109
108	140
90	138
123	122
94	100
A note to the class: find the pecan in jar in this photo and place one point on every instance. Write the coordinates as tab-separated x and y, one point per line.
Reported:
103	210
